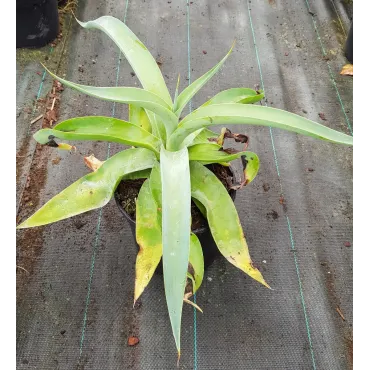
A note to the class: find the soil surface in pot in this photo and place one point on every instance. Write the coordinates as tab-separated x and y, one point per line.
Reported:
128	192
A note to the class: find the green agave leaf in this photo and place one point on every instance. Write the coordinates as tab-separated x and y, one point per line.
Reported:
138	116
100	128
143	174
251	164
176	91
211	153
156	185
201	207
205	136
128	95
201	136
223	219
142	62
148	237
239	95
253	115
196	261
158	127
93	190
193	88
175	231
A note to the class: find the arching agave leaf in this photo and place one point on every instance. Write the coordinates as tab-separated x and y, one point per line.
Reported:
138	116
129	95
100	128
148	237
196	262
155	183
139	57
176	198
241	95
193	88
253	115
223	219
93	190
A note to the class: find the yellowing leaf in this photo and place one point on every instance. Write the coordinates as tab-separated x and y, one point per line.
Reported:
347	70
64	146
223	219
149	238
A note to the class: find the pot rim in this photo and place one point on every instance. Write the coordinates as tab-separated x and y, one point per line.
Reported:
200	230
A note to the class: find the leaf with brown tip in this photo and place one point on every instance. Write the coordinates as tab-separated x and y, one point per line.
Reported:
149	238
223	219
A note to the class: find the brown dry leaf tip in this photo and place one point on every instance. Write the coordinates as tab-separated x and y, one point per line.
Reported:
229	150
133	341
92	162
193	304
245	180
347	70
239	138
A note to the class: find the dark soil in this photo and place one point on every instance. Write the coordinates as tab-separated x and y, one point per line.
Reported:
128	192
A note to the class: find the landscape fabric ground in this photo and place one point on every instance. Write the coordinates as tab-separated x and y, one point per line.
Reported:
75	278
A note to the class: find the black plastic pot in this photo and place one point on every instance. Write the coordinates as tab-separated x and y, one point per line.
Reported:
37	22
352	47
352	50
210	250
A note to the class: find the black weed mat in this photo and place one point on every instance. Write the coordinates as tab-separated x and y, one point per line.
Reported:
74	304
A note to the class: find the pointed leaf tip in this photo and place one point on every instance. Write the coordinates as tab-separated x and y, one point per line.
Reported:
93	190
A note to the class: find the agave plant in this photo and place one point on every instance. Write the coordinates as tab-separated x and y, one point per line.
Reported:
171	154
